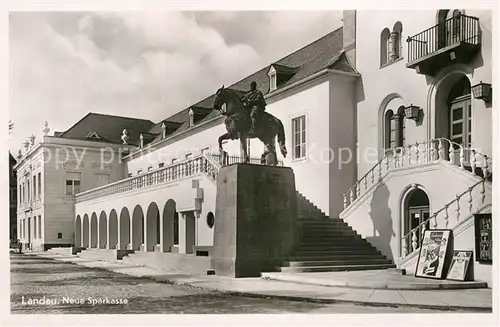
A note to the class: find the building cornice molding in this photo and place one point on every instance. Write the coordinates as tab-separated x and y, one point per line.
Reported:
220	119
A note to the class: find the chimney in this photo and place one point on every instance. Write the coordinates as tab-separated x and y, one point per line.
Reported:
349	29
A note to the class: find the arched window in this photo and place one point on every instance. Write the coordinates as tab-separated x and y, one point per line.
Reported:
384	46
394	129
395	41
402	126
390	130
449	27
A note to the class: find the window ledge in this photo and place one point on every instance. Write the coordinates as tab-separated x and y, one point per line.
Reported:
391	62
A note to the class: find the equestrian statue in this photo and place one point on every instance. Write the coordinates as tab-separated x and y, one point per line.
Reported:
246	118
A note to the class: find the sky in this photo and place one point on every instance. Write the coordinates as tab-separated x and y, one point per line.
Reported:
139	64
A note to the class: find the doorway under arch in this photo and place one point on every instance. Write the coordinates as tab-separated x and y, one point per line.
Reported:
416	210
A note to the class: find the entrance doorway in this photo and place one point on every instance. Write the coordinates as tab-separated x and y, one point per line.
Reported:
416	213
460	118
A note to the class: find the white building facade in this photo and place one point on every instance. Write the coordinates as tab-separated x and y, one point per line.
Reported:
379	115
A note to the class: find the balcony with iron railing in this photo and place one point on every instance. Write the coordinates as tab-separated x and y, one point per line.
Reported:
454	40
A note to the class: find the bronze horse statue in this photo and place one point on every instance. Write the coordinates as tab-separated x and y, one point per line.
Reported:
228	103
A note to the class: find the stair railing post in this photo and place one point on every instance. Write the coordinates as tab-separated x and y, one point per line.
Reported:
473	161
414	243
485	166
462	157
440	149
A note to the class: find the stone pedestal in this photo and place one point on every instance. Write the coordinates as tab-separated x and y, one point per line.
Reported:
255	219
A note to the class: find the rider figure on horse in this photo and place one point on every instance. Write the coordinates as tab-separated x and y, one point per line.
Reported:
255	103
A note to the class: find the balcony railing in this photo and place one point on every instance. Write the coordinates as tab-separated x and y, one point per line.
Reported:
192	167
458	29
232	159
207	164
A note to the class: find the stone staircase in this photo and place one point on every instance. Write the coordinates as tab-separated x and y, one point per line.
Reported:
330	244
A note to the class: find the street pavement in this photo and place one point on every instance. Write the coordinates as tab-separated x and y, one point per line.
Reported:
62	287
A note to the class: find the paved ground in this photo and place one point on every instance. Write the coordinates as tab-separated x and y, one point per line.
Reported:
58	283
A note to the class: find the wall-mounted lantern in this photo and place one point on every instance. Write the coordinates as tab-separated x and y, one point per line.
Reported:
482	91
412	112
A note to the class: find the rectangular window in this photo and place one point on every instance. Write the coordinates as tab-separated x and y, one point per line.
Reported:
299	137
161	165
39	185
205	150
34	227
174	160
129	174
189	156
39	226
139	172
150	168
72	183
59	235
28	190
34	188
392	137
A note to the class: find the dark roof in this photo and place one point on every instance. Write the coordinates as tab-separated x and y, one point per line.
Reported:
108	127
323	53
280	69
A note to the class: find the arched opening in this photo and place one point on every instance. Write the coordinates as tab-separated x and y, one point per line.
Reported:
124	229
103	230
93	231
169	232
453	112
449	27
78	231
416	212
384	46
389	130
152	227
137	228
85	236
460	118
395	41
113	229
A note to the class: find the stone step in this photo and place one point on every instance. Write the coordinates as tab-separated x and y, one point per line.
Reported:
335	246
326	229
338	268
339	256
349	244
338	262
322	224
331	236
334	252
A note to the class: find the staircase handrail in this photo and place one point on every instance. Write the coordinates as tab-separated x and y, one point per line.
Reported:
445	207
434	149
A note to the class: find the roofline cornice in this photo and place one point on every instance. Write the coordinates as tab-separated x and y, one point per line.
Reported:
219	119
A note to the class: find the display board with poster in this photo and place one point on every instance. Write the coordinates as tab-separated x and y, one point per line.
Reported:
483	237
433	253
460	268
